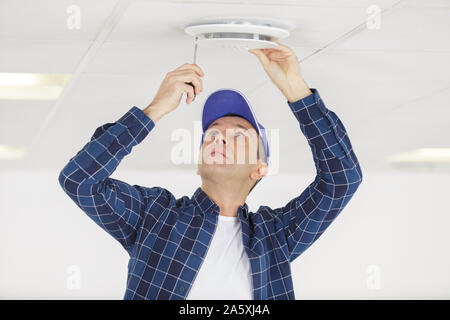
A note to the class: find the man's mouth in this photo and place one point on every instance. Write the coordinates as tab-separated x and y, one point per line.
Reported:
214	151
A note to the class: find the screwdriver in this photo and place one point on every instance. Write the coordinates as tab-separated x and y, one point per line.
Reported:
195	58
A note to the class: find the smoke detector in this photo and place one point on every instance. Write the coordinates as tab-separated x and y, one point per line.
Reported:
239	33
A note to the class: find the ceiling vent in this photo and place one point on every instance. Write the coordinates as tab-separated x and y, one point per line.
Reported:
238	33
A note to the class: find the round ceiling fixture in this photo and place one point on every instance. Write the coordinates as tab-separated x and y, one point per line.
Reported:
242	33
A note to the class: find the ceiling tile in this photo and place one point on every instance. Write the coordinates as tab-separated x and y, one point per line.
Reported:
46	20
404	29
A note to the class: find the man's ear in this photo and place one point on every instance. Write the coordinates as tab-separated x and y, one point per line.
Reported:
260	171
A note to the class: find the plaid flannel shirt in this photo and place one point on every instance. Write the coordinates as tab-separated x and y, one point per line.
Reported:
168	238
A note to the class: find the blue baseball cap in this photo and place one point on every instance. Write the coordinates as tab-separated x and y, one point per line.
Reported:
231	101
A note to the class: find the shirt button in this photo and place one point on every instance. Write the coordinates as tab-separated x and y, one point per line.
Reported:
181	288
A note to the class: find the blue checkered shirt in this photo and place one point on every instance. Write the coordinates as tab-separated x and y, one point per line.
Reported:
168	238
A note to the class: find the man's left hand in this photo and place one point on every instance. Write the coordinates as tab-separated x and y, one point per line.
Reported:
282	67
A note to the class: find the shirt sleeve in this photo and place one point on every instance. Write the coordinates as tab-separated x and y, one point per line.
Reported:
114	205
338	175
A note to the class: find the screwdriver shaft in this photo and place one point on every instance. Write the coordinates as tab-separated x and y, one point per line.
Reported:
195	50
195	59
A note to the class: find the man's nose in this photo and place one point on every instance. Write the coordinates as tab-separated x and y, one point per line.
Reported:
220	138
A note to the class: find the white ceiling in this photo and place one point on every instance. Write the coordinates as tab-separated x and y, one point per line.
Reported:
390	87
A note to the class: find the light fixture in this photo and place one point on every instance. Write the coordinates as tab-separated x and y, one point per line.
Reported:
11	153
32	86
238	32
423	155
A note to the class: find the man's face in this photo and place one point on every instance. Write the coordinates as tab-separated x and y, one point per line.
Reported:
229	148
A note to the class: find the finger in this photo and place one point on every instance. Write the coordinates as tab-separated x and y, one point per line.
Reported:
189	92
279	43
261	56
281	47
190	66
191	76
200	70
192	85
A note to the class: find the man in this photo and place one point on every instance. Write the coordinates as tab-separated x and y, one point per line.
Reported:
209	246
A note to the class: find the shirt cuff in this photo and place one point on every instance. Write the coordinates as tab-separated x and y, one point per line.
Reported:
307	101
137	122
136	117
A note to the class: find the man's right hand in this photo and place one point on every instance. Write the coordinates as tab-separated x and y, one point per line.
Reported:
172	88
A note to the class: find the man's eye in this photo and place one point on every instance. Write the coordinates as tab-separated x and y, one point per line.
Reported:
238	133
212	133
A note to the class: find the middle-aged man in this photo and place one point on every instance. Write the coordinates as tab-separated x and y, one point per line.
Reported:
209	245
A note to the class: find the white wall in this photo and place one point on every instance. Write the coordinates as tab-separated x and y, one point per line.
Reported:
397	222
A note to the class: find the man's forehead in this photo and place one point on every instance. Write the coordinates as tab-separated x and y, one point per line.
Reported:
235	120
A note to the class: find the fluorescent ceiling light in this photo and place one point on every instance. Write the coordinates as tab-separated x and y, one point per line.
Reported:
8	152
424	155
32	86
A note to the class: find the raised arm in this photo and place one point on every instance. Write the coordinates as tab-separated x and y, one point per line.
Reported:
338	174
116	206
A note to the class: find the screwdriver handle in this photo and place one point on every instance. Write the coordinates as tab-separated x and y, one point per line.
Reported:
192	85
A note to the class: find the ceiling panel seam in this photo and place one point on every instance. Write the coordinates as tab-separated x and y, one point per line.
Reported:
110	23
352	32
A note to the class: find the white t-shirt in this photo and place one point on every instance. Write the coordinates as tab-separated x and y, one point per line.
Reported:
225	272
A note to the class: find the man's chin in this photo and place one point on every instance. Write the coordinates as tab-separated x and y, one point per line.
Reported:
217	161
216	168
217	165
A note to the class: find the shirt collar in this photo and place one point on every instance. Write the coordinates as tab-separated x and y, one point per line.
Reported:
205	203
